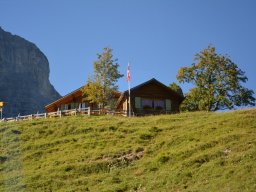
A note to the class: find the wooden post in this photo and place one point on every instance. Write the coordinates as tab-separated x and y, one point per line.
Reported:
89	111
1	110
45	115
79	108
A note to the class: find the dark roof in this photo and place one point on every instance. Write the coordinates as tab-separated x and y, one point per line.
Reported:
148	82
73	92
117	94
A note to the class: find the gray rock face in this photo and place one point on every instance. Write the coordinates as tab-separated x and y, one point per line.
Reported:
24	76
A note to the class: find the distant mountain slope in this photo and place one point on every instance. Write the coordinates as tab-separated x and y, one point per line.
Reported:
183	152
24	76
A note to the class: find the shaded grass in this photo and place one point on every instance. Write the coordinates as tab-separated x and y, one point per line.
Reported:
183	152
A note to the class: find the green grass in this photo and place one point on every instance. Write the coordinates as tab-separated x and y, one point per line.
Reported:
183	152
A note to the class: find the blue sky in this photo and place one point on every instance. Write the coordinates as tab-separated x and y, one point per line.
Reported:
156	36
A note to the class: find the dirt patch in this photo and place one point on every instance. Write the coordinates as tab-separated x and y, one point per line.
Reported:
128	157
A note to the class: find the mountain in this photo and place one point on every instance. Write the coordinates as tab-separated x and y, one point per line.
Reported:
24	76
199	151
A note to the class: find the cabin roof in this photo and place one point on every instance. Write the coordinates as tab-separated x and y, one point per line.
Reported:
77	91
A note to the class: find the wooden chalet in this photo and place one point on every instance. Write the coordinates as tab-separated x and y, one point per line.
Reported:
151	97
73	100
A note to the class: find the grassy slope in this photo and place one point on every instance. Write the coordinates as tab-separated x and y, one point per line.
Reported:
183	152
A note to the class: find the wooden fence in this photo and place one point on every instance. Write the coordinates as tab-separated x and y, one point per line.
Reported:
60	113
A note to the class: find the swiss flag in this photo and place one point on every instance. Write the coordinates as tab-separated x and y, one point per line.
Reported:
128	75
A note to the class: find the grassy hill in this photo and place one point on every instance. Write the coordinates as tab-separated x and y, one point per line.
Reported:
183	152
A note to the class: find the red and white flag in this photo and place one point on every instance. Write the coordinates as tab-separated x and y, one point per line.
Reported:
128	75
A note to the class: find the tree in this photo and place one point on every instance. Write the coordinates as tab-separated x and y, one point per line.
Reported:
176	88
101	86
217	83
192	101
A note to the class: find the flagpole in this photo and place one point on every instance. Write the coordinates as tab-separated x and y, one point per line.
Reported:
129	86
128	77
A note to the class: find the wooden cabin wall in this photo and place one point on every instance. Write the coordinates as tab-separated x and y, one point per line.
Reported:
155	91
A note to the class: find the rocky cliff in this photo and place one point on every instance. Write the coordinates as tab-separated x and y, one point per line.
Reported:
24	76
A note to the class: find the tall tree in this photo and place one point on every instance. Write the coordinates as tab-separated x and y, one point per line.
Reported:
218	83
176	88
101	86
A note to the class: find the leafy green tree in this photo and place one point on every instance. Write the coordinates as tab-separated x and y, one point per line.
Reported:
217	83
100	87
175	87
192	101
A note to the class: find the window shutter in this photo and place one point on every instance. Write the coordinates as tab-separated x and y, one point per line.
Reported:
168	104
137	102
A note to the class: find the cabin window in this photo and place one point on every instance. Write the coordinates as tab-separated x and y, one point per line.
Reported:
62	106
159	104
83	105
72	106
66	106
168	104
147	103
137	102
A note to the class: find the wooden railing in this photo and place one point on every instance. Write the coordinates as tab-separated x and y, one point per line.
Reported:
70	112
84	111
58	113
